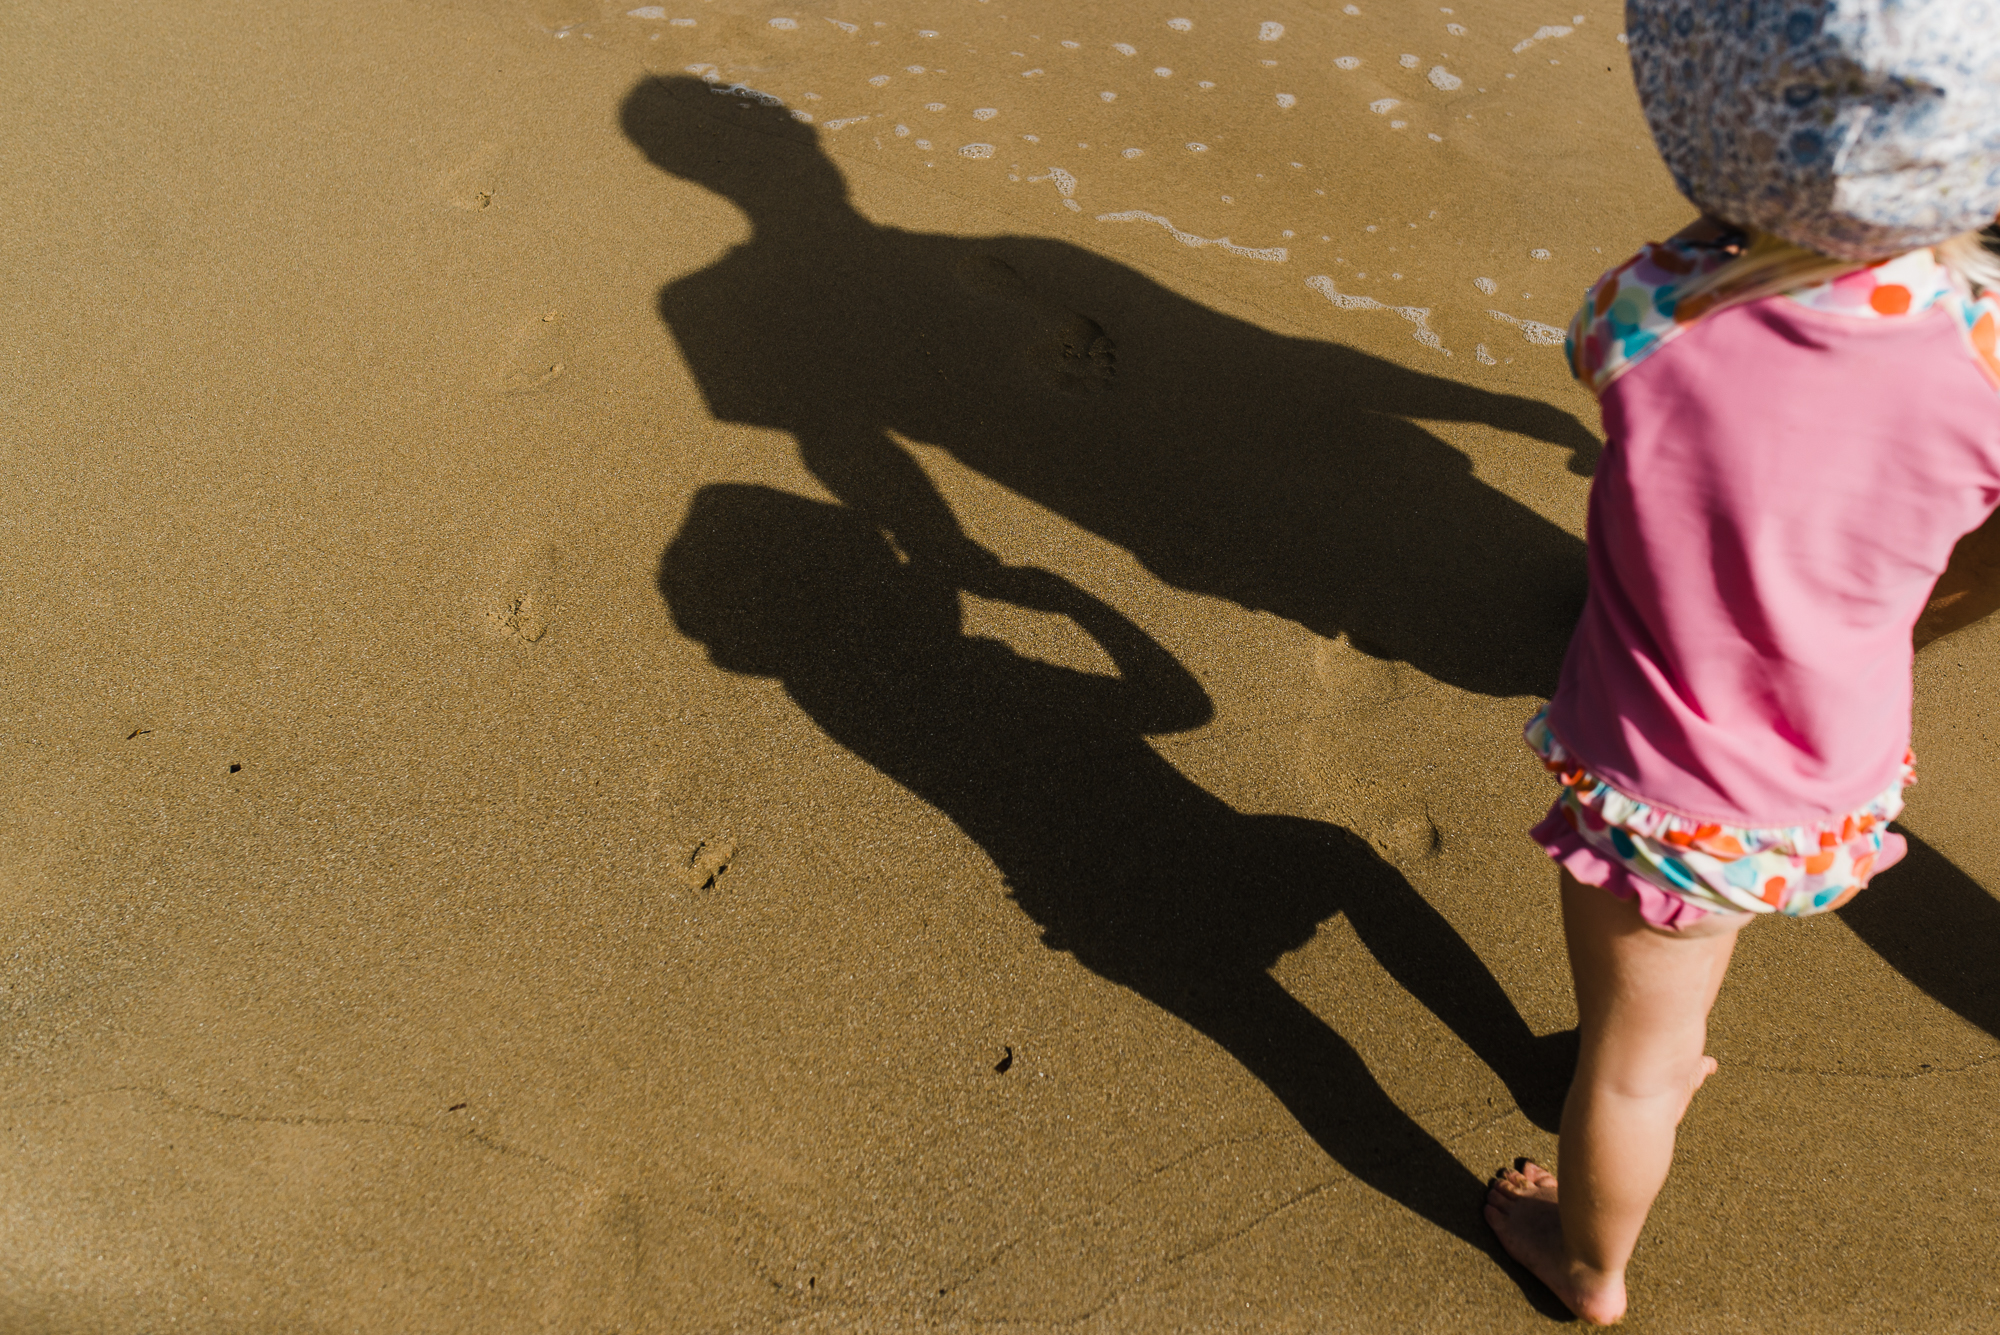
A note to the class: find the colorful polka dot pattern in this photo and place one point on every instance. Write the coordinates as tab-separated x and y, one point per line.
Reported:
1636	308
1794	870
1980	319
1906	285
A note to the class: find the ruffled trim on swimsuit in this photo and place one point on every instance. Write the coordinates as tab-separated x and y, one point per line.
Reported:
1629	813
1671	862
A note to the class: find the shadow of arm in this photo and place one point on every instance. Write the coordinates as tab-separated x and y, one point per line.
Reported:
880	480
1400	392
1153	693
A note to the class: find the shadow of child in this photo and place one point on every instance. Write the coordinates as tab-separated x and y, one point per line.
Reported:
1142	875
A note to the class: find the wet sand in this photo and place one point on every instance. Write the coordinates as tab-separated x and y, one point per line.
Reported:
714	668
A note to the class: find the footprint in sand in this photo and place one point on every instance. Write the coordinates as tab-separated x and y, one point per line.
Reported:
703	866
519	608
537	353
473	183
1072	348
1408	837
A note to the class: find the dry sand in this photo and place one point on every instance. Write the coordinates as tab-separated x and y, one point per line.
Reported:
537	796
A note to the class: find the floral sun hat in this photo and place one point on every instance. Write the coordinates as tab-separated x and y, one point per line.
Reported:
1856	128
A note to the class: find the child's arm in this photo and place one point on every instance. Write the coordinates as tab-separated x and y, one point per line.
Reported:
1968	589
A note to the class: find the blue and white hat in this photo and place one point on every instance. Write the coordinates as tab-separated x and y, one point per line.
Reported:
1856	128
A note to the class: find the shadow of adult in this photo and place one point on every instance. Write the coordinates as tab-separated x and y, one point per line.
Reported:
1286	475
1937	927
1143	876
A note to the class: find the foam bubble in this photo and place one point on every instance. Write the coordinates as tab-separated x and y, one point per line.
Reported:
901	131
1382	106
1197	148
1485	358
1270	32
1275	254
924	144
746	91
878	80
933	106
1437	139
805	116
1287	101
1352	11
1125	48
1407	61
1397	125
849	28
1133	153
1065	183
1486	285
1444	80
784	24
926	32
842	123
1206	84
1538	254
984	113
646	12
1416	315
680	23
913	69
1543	34
1181	25
1537	333
1347	62
1108	97
1029	74
1032	138
1069	46
976	151
1162	71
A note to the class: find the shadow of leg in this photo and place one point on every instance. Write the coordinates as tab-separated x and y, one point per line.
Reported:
1330	1092
1937	927
1420	950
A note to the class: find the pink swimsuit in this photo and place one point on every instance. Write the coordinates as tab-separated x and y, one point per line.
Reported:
1784	482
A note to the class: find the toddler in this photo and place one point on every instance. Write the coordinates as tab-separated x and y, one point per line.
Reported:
1801	395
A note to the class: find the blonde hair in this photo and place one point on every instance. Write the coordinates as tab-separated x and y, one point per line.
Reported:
1769	265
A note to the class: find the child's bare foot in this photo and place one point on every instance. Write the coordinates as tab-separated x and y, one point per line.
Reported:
1521	1210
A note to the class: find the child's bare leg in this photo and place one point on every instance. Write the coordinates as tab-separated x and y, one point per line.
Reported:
1643	998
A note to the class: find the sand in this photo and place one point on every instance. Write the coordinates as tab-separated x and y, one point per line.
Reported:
729	668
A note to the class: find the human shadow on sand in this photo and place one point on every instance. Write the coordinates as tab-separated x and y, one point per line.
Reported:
1143	876
1286	475
1937	927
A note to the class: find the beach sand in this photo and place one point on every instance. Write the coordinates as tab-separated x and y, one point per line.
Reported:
728	668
